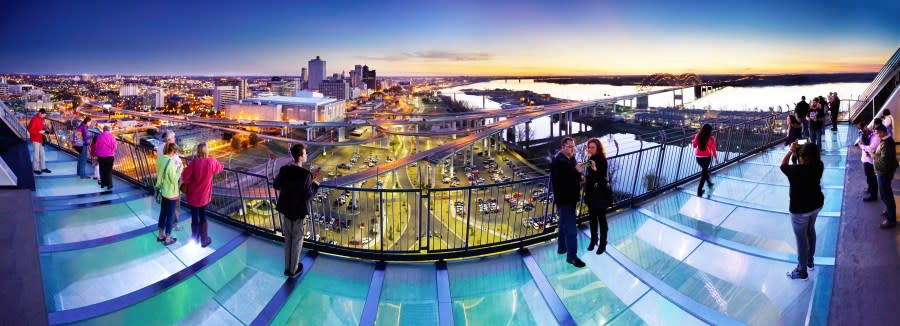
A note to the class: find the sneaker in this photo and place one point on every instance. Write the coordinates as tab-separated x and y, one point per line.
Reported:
700	193
299	268
46	170
797	274
811	266
576	262
887	225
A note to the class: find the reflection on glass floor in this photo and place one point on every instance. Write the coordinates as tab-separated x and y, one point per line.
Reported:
719	259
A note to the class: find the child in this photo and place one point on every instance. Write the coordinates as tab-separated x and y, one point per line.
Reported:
93	158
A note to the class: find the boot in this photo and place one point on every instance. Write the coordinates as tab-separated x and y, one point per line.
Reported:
204	235
602	248
195	232
592	244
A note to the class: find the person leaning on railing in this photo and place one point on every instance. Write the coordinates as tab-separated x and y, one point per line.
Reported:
296	187
597	194
167	178
197	187
105	149
80	142
806	200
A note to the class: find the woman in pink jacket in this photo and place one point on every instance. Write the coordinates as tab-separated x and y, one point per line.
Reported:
197	184
705	149
105	149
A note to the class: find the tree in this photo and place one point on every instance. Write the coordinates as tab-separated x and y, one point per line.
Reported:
185	108
235	143
254	139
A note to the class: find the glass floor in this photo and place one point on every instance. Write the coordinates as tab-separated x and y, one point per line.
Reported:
719	259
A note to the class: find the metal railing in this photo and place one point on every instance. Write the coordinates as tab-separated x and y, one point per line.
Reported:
427	224
890	70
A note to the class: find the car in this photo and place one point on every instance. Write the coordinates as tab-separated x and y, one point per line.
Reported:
445	180
365	240
371	164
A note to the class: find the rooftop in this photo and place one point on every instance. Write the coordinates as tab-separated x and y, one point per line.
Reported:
290	100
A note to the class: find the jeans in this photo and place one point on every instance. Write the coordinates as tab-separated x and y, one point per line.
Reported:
805	124
704	172
106	166
871	182
293	243
805	233
166	215
887	197
815	136
82	166
37	156
568	231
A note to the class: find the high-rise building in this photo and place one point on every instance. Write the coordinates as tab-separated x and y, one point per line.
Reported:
241	84
304	74
357	76
128	90
283	87
223	95
316	73
336	88
154	97
368	77
4	88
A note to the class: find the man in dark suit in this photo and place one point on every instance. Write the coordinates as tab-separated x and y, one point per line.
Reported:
885	166
296	186
802	109
565	177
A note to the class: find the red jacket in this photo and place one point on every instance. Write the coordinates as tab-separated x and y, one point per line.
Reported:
197	180
35	126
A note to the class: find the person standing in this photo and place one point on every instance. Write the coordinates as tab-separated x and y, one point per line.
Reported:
565	174
704	144
597	194
885	165
816	118
36	131
296	187
888	121
167	179
168	137
197	182
105	148
802	109
795	129
81	143
835	105
806	200
868	142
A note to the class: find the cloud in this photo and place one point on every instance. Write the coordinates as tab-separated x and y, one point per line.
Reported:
434	55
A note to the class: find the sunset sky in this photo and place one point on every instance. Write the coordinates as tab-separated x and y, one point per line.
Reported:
201	37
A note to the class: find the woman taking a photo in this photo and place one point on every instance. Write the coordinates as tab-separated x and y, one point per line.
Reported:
806	199
597	194
705	149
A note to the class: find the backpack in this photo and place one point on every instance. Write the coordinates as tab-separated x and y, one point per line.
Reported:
77	138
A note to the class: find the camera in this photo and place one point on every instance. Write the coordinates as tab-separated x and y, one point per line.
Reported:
801	141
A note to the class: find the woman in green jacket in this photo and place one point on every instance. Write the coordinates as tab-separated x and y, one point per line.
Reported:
168	174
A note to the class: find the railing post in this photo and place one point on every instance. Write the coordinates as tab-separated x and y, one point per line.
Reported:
637	170
659	164
270	203
243	207
468	215
681	149
380	216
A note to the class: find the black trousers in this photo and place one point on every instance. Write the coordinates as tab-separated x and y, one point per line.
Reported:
834	117
106	166
871	181
597	220
704	171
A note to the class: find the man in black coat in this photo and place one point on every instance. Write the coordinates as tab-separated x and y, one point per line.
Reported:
565	177
835	106
802	109
296	186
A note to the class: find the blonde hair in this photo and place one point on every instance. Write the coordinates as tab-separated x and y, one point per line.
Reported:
202	150
170	148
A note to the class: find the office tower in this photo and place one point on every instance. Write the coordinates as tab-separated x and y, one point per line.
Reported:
223	95
336	88
241	84
154	98
128	90
357	77
316	73
368	77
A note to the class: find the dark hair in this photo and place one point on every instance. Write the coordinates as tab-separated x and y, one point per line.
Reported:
803	98
881	128
885	112
85	121
42	111
566	140
703	136
810	153
297	150
600	150
877	122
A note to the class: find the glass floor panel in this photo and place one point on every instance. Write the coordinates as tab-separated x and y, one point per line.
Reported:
496	291
653	309
748	288
79	278
129	193
593	295
333	292
64	226
776	198
71	186
655	247
63	168
408	295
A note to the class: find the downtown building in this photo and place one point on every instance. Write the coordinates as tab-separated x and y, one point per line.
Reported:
316	73
224	95
241	84
4	88
368	78
336	88
307	106
129	90
154	97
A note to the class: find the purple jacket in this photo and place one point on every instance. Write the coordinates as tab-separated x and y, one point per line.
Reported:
106	145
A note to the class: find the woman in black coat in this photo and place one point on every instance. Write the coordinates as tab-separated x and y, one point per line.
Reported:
597	194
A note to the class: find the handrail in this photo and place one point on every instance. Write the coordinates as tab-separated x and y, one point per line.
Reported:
10	119
889	69
427	224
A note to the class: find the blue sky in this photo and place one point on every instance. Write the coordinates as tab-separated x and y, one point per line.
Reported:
447	37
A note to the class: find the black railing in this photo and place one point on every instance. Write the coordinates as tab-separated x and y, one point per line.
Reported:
427	224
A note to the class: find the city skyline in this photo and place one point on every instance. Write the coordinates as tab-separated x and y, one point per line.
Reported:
401	38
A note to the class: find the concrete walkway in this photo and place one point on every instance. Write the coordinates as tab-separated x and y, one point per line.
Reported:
867	272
